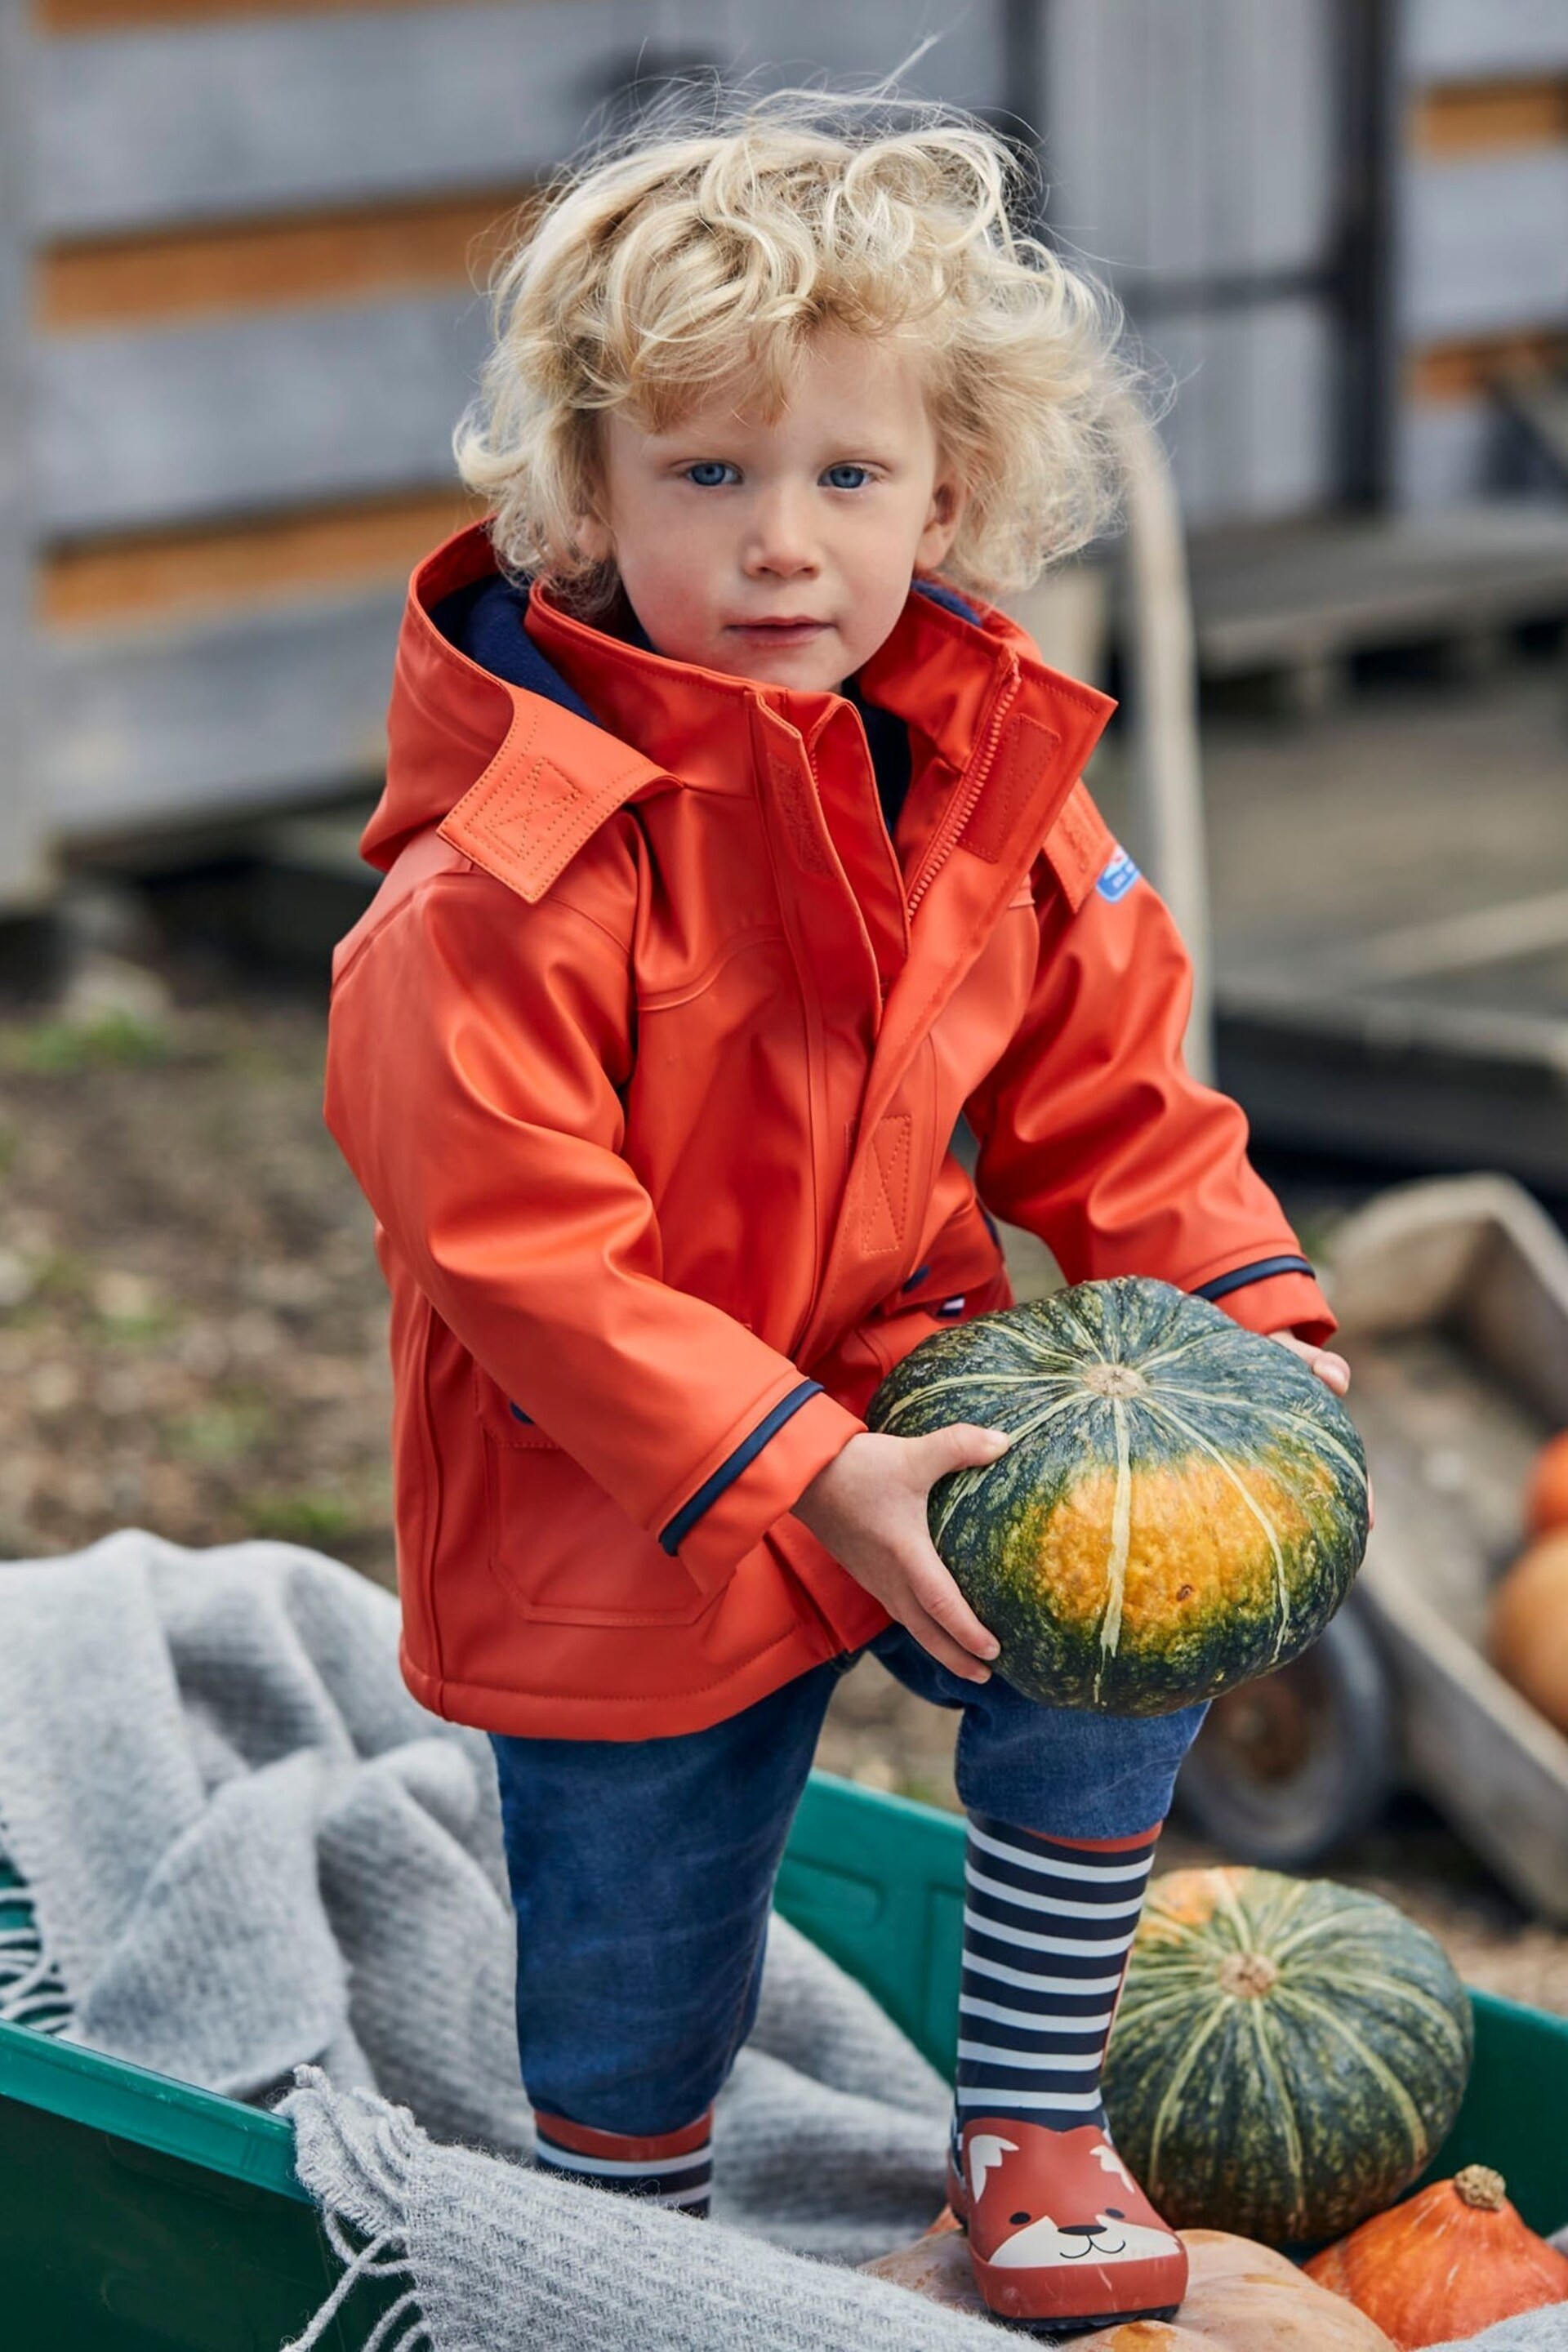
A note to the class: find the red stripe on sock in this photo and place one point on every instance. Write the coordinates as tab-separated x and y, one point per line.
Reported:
582	2139
1096	1846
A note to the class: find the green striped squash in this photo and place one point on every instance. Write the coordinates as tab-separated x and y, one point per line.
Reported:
1183	1504
1287	2057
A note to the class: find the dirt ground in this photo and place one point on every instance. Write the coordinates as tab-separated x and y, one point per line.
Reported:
192	1340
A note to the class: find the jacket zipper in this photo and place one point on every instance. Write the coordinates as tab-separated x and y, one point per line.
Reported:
962	808
953	823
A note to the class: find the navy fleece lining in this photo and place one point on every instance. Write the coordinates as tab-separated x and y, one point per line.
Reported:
1259	1271
727	1473
486	621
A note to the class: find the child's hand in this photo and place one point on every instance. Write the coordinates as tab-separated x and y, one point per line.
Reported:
1331	1369
868	1509
1334	1373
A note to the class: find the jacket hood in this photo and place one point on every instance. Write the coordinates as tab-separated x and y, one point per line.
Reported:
468	673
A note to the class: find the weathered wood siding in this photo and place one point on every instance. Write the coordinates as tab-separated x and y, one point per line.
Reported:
1190	149
1483	225
241	263
241	249
22	832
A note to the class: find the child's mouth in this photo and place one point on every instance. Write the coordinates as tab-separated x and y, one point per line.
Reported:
778	632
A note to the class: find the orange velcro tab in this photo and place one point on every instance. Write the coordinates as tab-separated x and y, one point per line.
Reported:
1078	846
1027	747
525	818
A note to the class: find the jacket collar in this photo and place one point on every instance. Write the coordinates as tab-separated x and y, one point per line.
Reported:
550	775
938	671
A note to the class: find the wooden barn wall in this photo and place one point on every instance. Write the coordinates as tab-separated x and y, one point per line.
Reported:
1196	140
22	824
1190	141
1482	227
242	257
242	250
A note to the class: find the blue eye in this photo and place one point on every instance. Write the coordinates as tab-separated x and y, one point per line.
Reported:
834	478
709	473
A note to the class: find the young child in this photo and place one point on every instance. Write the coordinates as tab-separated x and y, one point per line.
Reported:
733	852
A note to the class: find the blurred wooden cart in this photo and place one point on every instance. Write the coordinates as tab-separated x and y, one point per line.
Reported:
1453	1300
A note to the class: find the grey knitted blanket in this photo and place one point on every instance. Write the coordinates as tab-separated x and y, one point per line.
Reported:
252	1861
246	1851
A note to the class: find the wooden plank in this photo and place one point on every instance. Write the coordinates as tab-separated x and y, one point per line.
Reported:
1484	244
1458	40
1285	453
817	40
1191	137
256	264
1443	453
1538	407
1278	211
198	121
1096	157
140	16
243	715
1296	594
1373	1084
250	414
1466	369
1077	134
146	577
1431	947
1249	429
1179	219
1193	141
22	864
1459	118
1192	426
226	120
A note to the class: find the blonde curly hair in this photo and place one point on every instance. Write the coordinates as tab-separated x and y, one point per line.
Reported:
689	256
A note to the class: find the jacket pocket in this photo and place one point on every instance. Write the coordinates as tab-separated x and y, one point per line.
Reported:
565	1551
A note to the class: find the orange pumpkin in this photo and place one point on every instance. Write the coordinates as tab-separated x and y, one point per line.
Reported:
1546	1498
1529	1635
1447	2262
1240	2298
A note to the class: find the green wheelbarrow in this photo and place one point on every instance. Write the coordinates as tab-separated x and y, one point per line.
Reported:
137	2212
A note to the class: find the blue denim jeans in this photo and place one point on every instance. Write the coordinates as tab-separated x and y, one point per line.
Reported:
642	1871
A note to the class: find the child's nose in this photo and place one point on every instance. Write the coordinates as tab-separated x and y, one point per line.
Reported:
780	541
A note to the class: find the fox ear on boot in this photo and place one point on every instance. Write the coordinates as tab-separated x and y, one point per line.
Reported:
1060	2235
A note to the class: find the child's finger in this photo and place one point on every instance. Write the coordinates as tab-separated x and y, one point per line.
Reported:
934	1591
1331	1369
962	1445
944	1649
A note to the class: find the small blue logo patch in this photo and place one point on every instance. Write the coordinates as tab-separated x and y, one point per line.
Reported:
1119	876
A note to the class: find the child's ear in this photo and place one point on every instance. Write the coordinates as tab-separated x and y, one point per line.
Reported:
592	537
948	499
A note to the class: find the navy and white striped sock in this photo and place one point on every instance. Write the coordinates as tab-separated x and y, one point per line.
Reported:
673	2168
1047	1926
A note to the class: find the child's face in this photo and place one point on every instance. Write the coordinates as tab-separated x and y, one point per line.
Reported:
780	551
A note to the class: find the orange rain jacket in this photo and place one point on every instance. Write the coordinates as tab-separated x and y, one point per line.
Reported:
647	1055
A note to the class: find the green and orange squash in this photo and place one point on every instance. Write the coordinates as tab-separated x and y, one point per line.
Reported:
1184	1504
1287	2055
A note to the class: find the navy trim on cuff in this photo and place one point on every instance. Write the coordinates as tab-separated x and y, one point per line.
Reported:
730	1469
1259	1271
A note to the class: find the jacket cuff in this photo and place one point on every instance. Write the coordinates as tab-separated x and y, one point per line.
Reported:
759	1480
1281	1302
